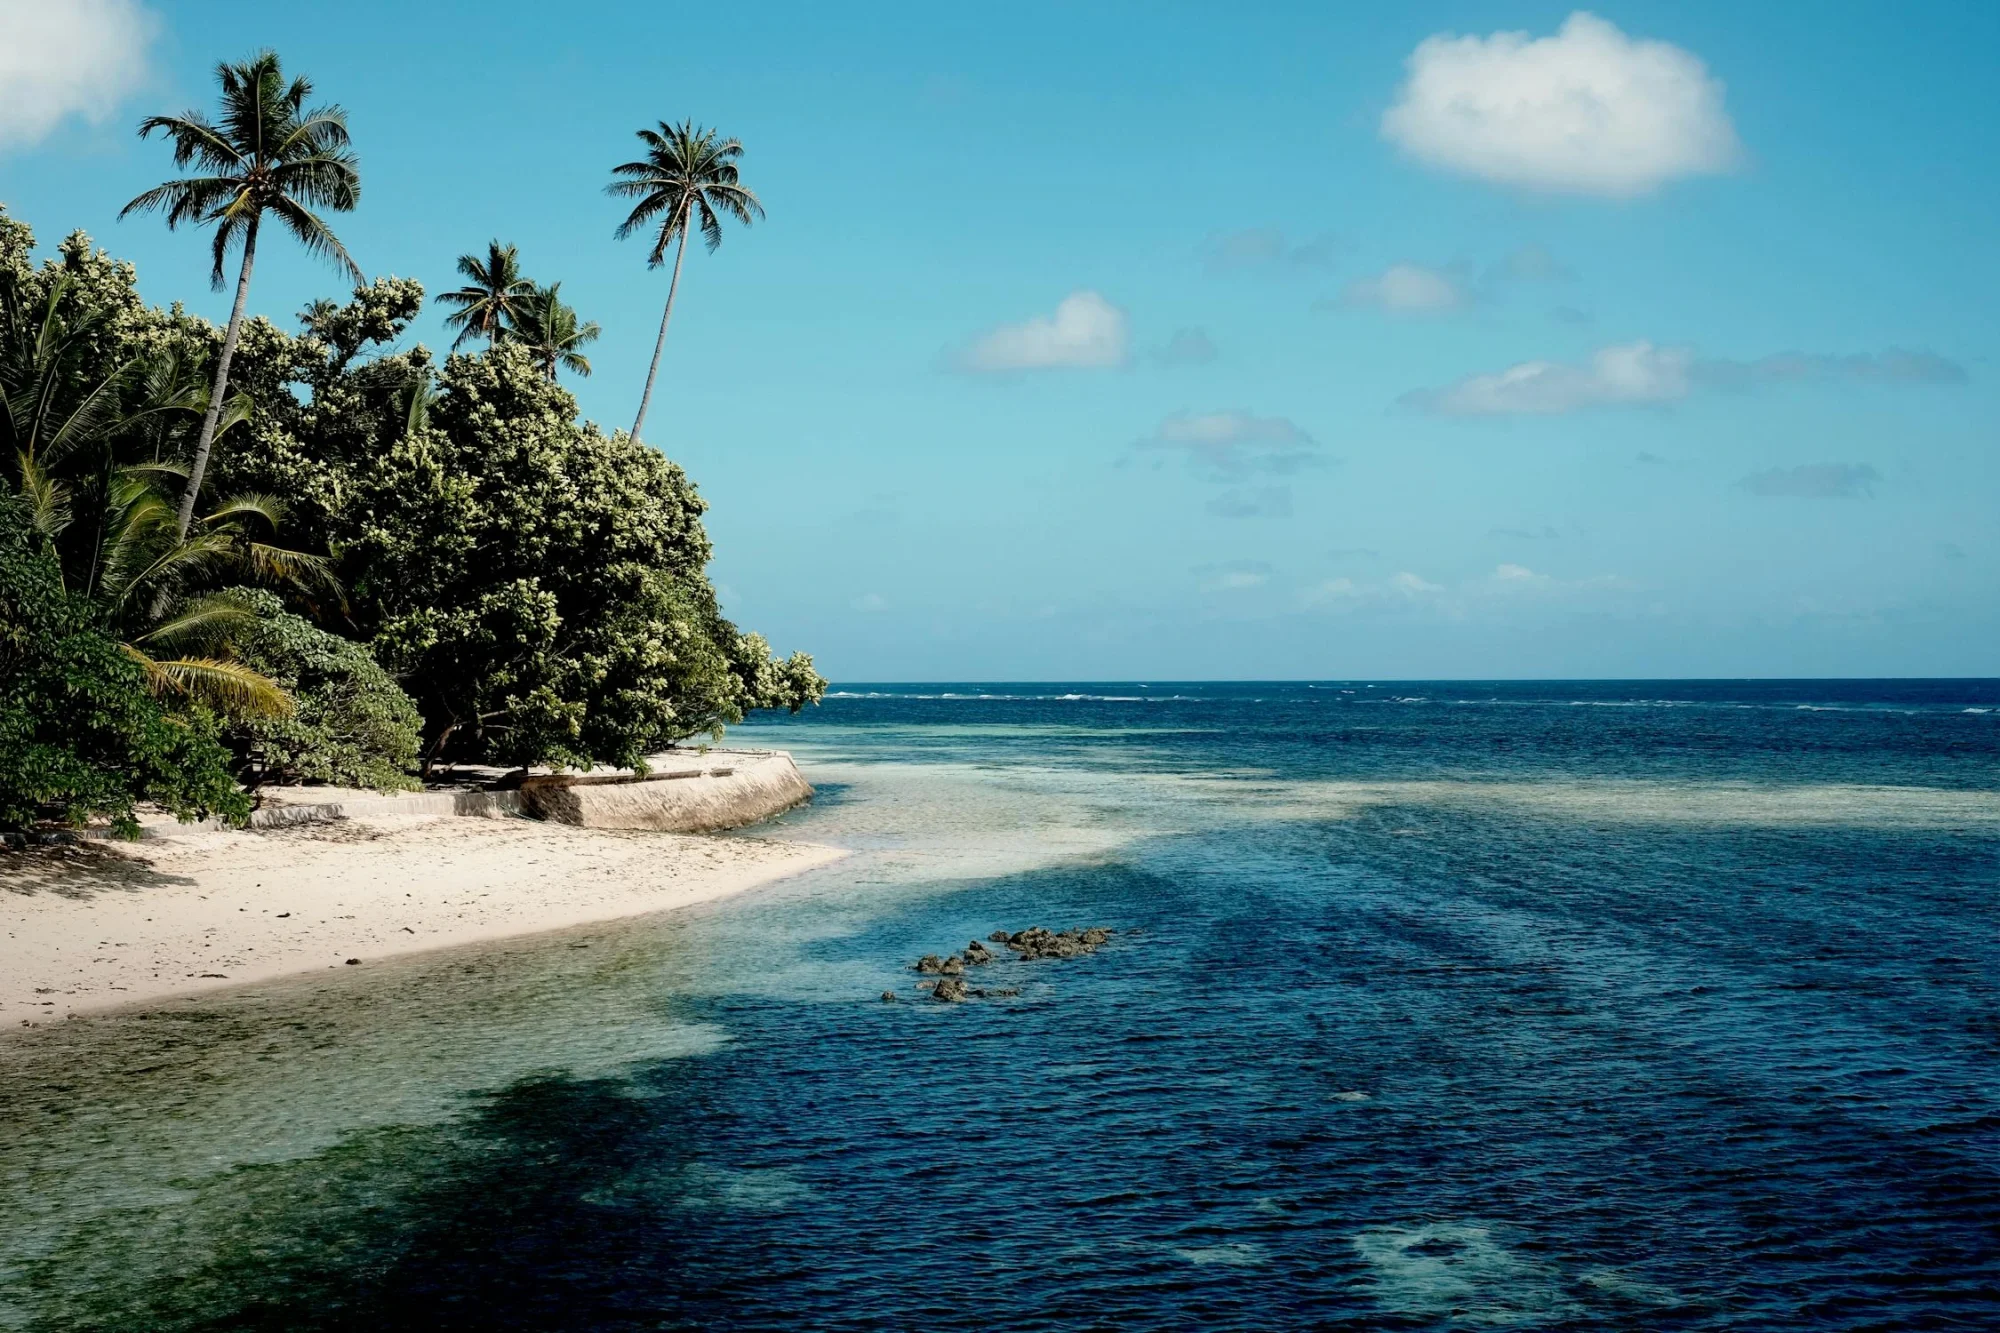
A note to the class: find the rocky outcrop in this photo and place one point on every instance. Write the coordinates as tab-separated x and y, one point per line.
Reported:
1034	943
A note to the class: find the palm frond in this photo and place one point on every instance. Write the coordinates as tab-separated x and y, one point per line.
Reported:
203	625
229	688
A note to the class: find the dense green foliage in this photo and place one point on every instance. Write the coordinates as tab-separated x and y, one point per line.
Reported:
452	564
537	585
80	734
351	724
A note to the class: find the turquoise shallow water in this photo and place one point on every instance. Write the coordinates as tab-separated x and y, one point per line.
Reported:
1435	1006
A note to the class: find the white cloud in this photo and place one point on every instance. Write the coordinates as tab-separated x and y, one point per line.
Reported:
1518	574
1414	585
1638	373
63	58
1406	289
1627	373
1235	445
1085	332
1587	111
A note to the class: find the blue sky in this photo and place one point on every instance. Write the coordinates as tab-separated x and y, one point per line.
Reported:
1188	341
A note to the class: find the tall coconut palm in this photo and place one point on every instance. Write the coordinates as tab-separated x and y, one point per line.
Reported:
492	297
268	152
687	178
549	331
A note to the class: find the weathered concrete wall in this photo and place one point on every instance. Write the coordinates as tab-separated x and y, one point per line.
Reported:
695	794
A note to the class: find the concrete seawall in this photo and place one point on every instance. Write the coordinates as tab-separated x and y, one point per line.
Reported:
692	794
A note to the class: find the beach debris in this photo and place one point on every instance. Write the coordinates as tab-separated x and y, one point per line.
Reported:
354	962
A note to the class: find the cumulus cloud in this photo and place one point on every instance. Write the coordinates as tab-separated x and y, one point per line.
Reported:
1264	502
1623	374
1413	585
1406	289
1085	332
1233	575
1639	373
1188	347
1235	445
1815	481
1587	111
70	58
1263	248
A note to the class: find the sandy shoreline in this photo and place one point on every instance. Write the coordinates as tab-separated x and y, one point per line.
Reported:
93	929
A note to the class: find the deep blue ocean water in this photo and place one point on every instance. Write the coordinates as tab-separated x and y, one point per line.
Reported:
1653	1005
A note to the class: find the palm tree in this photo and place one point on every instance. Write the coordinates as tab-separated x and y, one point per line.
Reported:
267	153
153	598
687	177
548	330
489	301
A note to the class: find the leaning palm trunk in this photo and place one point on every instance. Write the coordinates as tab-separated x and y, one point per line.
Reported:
660	342
216	395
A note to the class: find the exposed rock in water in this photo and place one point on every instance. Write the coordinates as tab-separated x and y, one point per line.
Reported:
888	997
1040	942
1032	943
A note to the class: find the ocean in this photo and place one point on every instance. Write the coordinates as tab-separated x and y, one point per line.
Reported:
1429	1005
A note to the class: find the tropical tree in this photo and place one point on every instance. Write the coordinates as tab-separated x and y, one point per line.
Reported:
549	332
688	177
268	152
492	297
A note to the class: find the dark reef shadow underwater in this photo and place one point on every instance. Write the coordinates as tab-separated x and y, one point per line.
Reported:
1660	1006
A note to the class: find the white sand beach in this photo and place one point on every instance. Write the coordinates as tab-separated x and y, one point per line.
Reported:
95	927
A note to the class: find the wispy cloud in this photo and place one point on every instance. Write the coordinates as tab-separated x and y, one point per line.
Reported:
78	58
1264	502
1235	445
1233	575
1640	373
1264	248
1507	584
1815	481
1188	347
1085	332
1528	263
1586	111
1403	289
870	602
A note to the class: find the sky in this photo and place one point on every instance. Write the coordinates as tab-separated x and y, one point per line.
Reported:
1189	341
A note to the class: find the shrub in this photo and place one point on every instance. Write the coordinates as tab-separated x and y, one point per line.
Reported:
80	736
353	726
